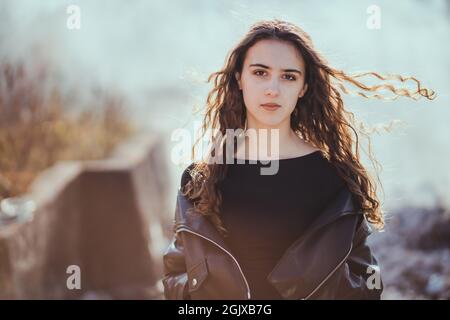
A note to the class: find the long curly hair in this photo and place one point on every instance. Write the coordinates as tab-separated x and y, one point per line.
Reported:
319	118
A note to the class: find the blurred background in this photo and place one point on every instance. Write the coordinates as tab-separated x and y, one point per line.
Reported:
87	113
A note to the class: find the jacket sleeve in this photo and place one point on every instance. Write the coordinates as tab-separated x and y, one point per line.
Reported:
358	278
175	279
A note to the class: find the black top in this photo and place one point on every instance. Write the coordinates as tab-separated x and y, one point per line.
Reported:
265	214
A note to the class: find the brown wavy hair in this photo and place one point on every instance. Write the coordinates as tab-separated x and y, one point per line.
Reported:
319	118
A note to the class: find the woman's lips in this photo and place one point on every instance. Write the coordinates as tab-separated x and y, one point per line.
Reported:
270	106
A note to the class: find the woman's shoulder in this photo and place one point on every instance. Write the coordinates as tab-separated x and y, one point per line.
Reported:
186	175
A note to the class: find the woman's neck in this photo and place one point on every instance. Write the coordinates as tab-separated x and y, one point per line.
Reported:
270	143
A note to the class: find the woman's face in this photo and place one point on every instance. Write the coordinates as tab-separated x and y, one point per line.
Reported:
273	72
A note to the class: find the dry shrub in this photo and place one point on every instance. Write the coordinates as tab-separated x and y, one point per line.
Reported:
37	129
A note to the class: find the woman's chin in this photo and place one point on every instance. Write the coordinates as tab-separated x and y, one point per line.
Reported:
269	123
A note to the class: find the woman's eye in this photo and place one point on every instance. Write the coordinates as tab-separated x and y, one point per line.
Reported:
290	77
259	72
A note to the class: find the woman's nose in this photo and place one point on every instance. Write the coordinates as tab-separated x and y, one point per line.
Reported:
272	88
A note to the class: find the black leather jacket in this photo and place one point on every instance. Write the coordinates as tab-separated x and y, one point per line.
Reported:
331	261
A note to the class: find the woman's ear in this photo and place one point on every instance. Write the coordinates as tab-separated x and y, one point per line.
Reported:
238	79
303	91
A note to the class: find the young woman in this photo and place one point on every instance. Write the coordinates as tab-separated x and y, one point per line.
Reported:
300	232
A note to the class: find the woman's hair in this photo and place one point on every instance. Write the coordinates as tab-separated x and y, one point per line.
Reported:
319	118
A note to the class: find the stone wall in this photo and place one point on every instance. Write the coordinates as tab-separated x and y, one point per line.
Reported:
104	217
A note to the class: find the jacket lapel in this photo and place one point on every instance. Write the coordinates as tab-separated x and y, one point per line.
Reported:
313	257
195	221
342	204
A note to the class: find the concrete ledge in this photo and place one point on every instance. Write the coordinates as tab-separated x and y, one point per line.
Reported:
104	216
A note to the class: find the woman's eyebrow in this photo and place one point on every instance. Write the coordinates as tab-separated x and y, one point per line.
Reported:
267	67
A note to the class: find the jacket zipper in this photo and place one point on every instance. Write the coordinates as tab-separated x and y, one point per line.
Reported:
229	253
330	274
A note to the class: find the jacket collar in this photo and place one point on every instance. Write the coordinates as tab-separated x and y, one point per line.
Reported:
195	221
